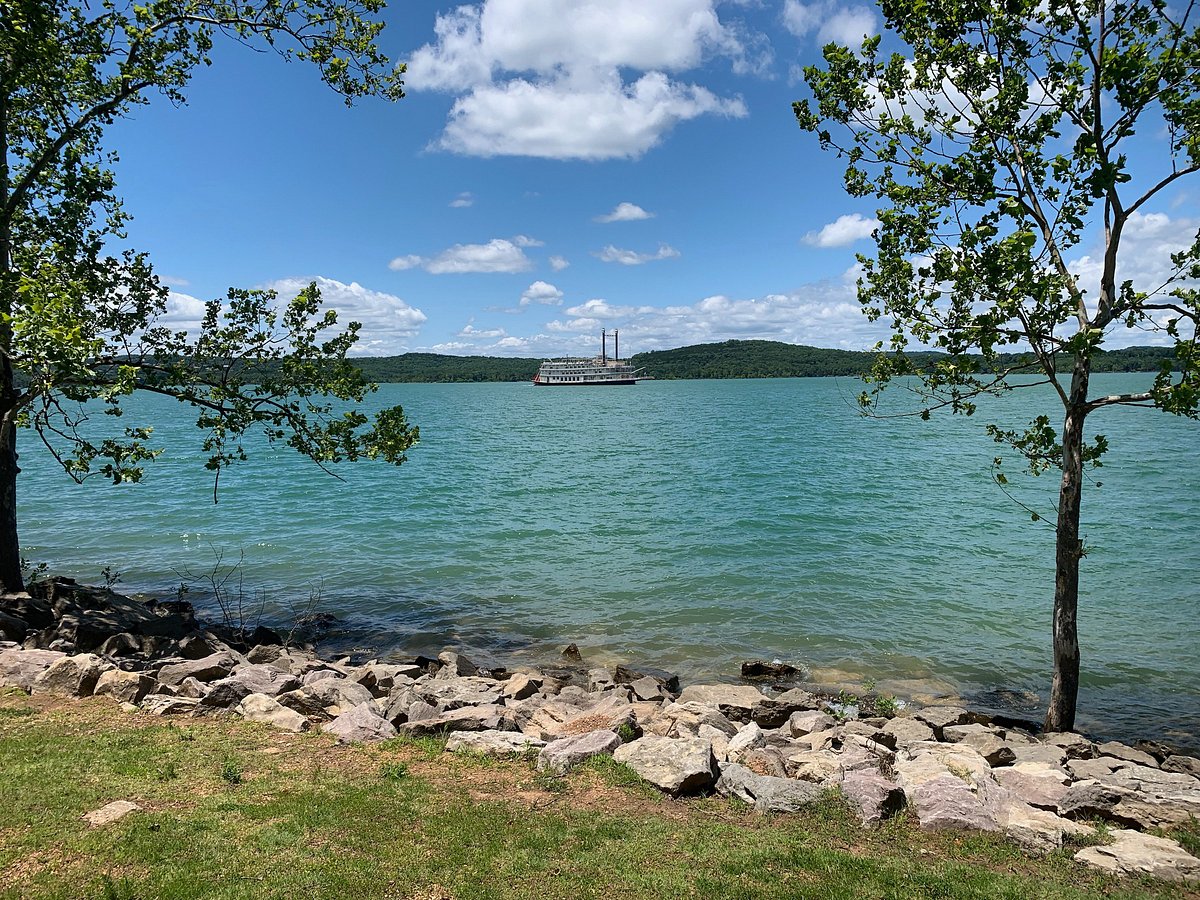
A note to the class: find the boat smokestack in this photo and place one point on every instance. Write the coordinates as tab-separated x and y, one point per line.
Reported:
603	346
616	346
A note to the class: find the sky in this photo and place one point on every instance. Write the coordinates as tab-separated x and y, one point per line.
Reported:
557	167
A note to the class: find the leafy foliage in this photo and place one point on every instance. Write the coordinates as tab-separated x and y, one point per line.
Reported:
82	321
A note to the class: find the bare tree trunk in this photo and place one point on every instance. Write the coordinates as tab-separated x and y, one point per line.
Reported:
11	579
1064	690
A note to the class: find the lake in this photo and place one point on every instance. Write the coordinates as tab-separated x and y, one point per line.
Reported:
689	525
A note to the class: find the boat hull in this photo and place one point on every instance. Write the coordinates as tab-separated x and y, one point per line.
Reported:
584	383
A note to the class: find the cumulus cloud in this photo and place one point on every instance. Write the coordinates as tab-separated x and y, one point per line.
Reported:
545	78
541	292
842	232
462	201
1145	259
625	212
558	263
832	21
613	254
387	321
470	331
497	255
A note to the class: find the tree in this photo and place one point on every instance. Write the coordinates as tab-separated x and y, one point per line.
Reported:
1000	134
79	327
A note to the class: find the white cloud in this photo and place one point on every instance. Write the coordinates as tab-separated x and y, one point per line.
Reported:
470	331
184	313
541	292
613	254
497	255
544	77
833	22
558	263
462	201
842	232
387	321
625	212
400	263
1145	259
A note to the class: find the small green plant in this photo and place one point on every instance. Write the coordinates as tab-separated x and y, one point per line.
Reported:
111	576
959	771
168	771
231	771
869	685
887	705
625	732
551	782
34	573
396	771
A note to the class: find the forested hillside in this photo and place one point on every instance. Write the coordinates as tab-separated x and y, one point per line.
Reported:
729	359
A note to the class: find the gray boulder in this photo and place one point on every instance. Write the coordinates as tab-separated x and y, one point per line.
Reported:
872	797
72	676
948	801
453	692
521	686
125	687
566	753
1035	784
466	718
208	668
20	668
735	701
493	743
683	719
264	679
938	717
166	705
1133	853
804	722
302	701
903	731
267	710
361	724
1117	750
1186	765
675	765
767	793
338	693
455	664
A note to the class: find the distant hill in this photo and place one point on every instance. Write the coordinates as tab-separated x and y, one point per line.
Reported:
728	359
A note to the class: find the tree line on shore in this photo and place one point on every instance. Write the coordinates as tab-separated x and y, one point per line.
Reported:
728	359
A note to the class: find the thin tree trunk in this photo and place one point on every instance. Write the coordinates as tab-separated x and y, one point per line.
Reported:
11	579
1064	689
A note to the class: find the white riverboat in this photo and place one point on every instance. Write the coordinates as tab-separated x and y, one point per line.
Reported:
578	371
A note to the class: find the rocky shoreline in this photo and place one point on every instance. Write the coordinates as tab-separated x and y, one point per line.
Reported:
777	750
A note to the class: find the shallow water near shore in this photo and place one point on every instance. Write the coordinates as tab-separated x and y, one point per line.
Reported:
690	525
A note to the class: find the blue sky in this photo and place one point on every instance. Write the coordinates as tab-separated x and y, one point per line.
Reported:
558	167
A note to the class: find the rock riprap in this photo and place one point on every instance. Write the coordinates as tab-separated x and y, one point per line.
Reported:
778	751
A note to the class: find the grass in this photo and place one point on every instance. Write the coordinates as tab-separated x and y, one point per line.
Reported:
310	818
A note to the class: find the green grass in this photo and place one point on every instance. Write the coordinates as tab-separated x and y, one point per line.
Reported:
312	819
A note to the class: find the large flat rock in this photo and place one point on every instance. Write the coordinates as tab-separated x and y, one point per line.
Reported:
1134	853
675	765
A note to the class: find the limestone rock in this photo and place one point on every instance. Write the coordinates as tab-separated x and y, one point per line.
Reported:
125	687
267	710
20	668
493	743
809	722
1038	830
564	754
166	705
456	664
901	732
1075	745
767	793
454	692
735	701
947	801
302	701
814	765
521	686
675	765
72	676
263	679
749	737
110	813
363	723
208	668
1101	767
683	719
467	718
938	717
872	796
986	742
1048	754
1034	784
648	688
1187	765
1117	750
718	739
339	693
1134	853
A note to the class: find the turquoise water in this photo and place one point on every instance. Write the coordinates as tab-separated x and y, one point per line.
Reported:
690	525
